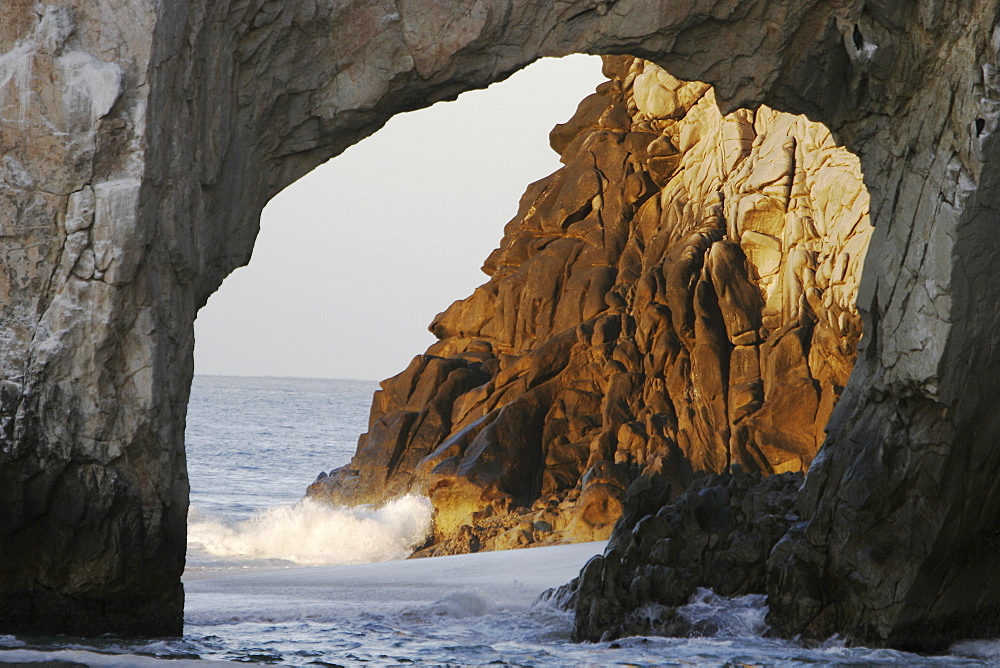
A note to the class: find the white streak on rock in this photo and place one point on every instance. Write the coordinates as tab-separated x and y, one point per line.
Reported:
92	86
16	66
15	79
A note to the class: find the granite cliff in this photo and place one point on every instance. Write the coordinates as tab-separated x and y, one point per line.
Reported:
141	141
678	298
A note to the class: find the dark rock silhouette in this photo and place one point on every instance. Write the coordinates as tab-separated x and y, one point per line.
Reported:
717	534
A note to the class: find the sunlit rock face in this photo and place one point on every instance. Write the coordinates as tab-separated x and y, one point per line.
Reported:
141	141
679	297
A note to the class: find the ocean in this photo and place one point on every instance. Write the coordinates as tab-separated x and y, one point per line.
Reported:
277	580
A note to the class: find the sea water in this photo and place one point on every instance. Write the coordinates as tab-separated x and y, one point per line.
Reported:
277	580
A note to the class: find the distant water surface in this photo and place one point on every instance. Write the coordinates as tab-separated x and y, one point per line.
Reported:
254	443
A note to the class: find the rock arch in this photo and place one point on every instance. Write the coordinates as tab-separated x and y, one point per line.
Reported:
141	140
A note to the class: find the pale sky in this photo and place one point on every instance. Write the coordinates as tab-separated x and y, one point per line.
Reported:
354	261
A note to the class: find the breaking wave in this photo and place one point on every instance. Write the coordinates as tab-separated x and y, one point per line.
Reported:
311	533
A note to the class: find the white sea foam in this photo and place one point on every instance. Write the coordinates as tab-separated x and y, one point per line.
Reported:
311	533
984	650
738	617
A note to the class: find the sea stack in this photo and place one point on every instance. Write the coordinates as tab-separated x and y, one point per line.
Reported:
678	298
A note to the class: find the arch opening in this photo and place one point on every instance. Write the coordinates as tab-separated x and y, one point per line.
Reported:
678	298
351	263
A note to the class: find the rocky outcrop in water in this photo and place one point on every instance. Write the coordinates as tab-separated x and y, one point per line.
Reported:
678	298
717	534
183	118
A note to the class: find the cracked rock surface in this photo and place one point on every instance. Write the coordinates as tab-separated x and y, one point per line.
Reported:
141	141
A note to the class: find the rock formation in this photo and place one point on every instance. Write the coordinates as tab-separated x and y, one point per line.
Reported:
679	297
717	534
141	140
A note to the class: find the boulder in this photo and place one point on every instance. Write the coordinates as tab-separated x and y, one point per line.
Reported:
717	534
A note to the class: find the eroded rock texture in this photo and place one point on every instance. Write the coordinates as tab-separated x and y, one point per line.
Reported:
93	492
159	131
678	298
717	534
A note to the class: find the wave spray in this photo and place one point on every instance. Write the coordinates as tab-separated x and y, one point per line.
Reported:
311	533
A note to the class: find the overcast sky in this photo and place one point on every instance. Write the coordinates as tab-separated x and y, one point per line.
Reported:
354	260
